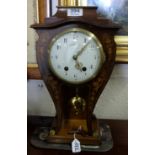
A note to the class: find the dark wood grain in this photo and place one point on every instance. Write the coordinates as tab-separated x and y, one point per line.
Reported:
119	129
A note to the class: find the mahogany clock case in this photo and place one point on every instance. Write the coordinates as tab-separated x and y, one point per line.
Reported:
60	91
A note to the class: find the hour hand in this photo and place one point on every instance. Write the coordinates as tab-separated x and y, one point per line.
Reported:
78	65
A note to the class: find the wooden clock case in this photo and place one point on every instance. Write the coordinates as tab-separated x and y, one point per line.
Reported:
66	122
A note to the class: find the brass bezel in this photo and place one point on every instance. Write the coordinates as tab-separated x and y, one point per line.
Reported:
102	59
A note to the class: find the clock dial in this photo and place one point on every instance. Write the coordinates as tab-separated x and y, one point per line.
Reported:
76	55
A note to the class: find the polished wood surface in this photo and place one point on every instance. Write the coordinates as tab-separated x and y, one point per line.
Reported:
119	129
33	73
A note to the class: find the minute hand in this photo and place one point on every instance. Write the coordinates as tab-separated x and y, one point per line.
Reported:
81	50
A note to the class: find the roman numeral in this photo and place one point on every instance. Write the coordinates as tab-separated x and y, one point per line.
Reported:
58	47
85	40
65	40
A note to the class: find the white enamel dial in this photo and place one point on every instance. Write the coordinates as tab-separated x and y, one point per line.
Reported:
76	55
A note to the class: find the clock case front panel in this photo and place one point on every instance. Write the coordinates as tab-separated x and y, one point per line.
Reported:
60	91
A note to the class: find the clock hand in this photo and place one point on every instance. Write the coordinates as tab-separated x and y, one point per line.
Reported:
78	65
81	50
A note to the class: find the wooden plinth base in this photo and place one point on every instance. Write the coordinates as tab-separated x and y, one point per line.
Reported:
105	145
73	126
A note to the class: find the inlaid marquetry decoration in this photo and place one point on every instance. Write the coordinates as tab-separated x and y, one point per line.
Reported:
76	54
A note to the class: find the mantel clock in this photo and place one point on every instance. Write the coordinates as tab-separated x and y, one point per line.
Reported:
76	55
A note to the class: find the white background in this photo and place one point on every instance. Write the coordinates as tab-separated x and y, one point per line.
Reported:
13	86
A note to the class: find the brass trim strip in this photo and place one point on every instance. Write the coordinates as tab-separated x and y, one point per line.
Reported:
72	2
32	65
121	40
121	49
